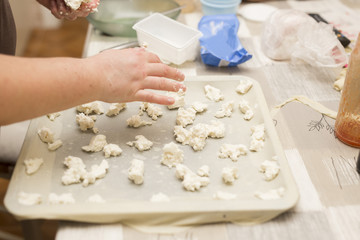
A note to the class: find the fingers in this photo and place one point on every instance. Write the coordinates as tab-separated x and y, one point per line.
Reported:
152	97
163	70
159	83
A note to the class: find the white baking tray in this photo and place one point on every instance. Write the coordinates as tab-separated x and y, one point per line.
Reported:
130	203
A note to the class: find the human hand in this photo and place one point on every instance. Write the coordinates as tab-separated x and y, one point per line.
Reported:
61	11
127	75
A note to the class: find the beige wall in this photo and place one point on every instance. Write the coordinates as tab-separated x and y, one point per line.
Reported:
29	14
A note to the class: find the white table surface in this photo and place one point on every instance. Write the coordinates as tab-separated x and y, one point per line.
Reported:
323	167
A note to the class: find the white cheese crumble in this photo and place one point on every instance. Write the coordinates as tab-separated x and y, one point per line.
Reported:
213	93
32	165
141	143
185	117
136	171
172	155
152	110
96	198
112	149
270	168
96	144
246	109
92	107
257	137
199	107
244	86
29	199
204	171
226	110
271	194
219	195
115	109
77	173
135	121
85	122
159	197
64	198
55	145
46	135
196	136
179	99
230	174
232	151
190	181
53	116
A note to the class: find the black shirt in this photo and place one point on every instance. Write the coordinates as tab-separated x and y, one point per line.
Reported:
7	29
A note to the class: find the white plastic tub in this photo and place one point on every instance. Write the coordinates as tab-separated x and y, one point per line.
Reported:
172	41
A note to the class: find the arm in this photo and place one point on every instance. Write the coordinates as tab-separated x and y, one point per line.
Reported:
34	87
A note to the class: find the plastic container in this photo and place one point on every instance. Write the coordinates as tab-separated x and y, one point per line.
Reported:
347	124
172	41
211	7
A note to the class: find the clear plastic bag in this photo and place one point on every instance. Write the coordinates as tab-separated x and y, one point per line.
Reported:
292	34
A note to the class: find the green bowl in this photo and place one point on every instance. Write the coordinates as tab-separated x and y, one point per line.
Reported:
116	17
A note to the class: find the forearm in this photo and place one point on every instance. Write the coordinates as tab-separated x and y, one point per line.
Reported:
31	87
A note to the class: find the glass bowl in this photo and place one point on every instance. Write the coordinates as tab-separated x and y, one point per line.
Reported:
117	17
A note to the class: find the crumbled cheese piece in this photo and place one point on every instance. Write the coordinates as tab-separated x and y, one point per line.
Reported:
159	197
93	107
216	129
182	135
270	168
185	117
212	93
257	137
172	155
112	150
74	4
199	107
232	151
197	135
226	110
230	174
96	198
115	109
190	180
244	86
246	109
64	198
179	99
96	144
97	172
46	135
136	171
29	199
271	194
76	171
55	145
204	171
152	110
85	122
135	121
141	143
32	165
219	195
52	116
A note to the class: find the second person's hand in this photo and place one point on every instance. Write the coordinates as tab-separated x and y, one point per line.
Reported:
127	75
